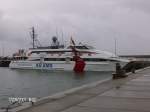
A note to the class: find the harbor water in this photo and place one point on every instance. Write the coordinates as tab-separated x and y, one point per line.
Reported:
37	83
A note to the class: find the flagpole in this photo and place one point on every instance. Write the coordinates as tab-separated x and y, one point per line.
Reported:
115	46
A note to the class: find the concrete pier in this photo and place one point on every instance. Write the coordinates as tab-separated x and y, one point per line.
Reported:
131	94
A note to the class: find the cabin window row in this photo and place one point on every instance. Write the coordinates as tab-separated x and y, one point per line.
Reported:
64	59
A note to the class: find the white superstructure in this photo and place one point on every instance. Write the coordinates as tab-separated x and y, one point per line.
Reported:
59	58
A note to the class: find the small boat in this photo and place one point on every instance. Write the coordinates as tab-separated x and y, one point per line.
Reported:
5	61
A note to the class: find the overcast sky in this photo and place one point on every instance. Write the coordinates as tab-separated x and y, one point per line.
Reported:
96	22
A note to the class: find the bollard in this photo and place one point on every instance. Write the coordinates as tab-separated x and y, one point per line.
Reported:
120	73
133	70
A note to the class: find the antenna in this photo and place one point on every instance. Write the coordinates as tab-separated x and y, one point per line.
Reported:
62	36
63	39
115	46
56	32
33	36
3	50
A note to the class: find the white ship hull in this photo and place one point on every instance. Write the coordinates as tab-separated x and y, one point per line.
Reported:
64	59
63	66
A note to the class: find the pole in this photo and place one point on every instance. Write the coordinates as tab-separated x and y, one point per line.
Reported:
63	39
3	50
115	46
33	37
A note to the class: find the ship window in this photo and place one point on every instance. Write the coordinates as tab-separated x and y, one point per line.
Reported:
103	60
113	60
48	52
71	59
94	59
60	59
79	47
54	59
35	60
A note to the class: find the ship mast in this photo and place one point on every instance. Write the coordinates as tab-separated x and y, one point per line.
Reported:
33	37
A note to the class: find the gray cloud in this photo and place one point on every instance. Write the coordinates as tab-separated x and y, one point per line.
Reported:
140	5
96	22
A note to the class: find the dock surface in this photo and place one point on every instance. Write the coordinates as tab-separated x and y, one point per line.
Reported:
131	94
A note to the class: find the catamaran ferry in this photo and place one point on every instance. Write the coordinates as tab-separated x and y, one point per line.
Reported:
58	57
